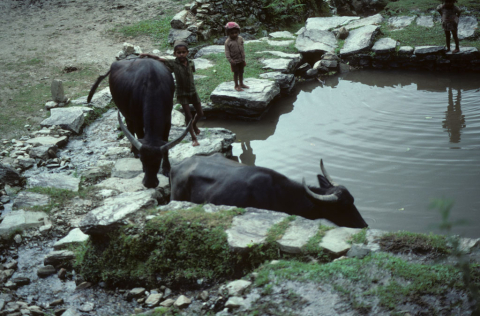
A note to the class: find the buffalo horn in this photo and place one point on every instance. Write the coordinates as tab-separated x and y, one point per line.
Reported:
325	173
174	142
135	142
323	198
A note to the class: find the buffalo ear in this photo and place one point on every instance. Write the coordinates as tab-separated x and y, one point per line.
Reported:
323	182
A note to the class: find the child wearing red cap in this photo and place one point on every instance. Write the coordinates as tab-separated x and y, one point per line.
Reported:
235	54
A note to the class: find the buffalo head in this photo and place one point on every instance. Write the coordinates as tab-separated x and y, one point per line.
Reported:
152	156
334	201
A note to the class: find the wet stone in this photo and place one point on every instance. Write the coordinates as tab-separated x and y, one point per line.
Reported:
57	258
46	271
285	81
359	40
21	281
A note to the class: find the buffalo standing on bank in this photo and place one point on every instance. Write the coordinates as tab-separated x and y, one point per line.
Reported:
218	180
142	90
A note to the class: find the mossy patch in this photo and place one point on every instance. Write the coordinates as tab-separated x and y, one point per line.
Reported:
59	197
407	242
360	237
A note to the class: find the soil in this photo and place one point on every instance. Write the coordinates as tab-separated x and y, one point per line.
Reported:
40	36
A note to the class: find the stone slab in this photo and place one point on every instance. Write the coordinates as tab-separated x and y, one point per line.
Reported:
280	43
359	40
9	175
201	63
75	236
281	34
116	210
212	49
384	46
48	141
400	22
371	20
336	240
132	184
316	41
253	101
328	23
281	54
54	180
299	233
278	64
406	50
26	199
127	168
465	53
21	220
286	81
425	50
67	118
251	228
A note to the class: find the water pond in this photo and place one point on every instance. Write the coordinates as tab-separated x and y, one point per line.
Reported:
396	140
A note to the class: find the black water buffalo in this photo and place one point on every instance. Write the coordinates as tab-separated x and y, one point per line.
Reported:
218	180
142	89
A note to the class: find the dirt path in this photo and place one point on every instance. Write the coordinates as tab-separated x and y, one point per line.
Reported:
37	40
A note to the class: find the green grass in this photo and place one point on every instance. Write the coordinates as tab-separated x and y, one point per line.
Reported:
59	197
354	278
406	242
360	237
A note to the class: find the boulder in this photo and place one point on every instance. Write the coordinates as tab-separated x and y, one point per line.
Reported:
179	20
29	199
208	146
251	103
136	293
42	152
234	302
425	21
117	210
316	41
54	180
20	220
178	118
281	34
336	241
71	118
75	236
466	27
48	141
128	49
405	50
238	287
342	33
359	40
46	271
384	46
299	233
285	81
101	98
251	228
153	299
9	176
184	35
182	301
212	49
278	64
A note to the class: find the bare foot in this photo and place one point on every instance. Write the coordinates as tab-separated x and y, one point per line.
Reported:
195	143
455	51
244	86
197	130
447	50
238	88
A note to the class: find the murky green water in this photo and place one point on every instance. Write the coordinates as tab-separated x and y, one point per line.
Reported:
394	139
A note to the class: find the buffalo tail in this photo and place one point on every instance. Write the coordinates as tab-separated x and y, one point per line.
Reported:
95	86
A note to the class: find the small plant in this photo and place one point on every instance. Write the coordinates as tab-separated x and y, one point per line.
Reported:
360	237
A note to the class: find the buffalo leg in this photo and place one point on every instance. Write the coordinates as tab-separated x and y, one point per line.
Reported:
165	161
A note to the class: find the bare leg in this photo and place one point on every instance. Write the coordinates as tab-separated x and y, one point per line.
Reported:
235	78
455	38
188	118
447	37
198	116
242	85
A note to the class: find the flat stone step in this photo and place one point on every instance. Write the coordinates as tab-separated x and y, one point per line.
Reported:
26	199
299	232
248	103
20	220
48	141
54	180
384	45
336	240
371	20
284	65
67	118
467	26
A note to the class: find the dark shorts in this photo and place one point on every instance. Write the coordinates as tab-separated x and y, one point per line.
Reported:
188	99
238	68
449	26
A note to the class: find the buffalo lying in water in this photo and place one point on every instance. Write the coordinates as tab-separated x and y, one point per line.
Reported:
218	180
142	90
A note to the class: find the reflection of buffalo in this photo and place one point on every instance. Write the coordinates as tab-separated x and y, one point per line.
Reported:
218	180
142	89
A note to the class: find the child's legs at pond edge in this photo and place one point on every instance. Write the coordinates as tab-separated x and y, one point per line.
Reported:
455	38
188	118
447	36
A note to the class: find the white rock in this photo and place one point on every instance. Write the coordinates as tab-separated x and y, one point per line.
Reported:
75	236
236	288
21	220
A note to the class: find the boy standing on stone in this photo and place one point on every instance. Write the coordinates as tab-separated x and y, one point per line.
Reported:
235	54
450	14
183	68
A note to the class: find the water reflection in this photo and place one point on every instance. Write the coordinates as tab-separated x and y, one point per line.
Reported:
247	156
454	119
